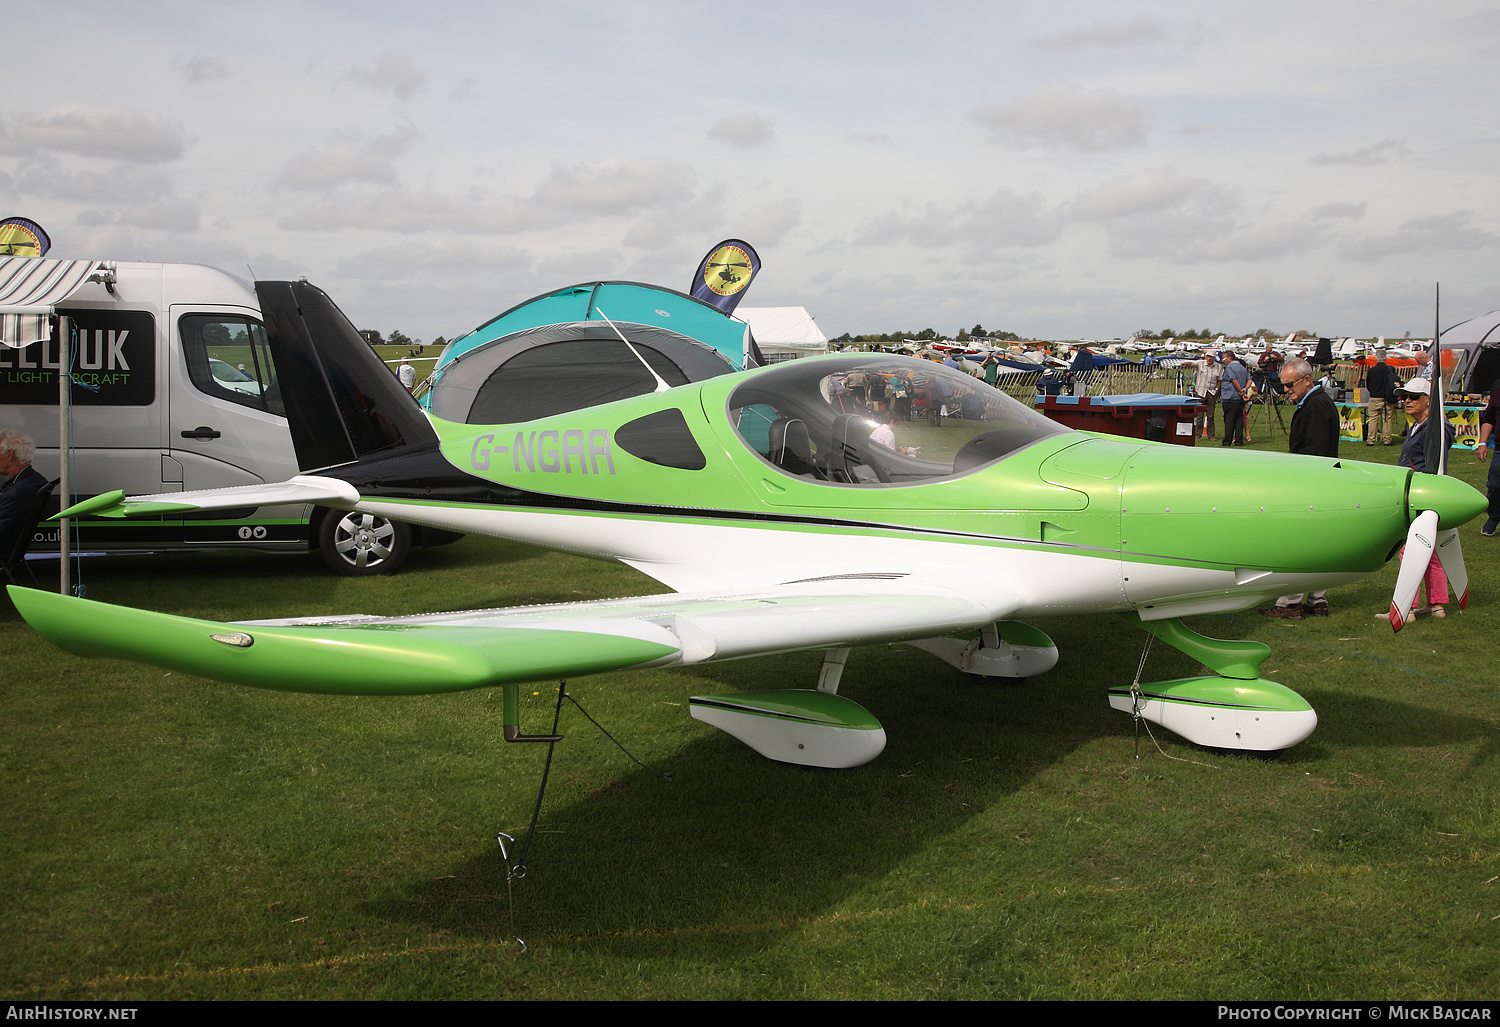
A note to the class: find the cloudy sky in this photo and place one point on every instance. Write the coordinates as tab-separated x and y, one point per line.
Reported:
1061	170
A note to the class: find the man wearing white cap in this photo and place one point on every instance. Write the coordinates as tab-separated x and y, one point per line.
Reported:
1415	395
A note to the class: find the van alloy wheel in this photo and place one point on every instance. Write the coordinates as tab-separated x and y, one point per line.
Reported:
356	544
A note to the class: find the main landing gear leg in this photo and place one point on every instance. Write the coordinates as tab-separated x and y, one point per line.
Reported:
1004	649
832	670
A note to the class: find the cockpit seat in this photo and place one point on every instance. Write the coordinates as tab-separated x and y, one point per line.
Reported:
791	446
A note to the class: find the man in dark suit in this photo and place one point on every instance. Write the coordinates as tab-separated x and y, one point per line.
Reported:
22	483
1314	432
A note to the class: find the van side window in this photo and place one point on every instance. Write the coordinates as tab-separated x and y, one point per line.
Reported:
228	358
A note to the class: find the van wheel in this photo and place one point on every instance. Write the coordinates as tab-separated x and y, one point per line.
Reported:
356	544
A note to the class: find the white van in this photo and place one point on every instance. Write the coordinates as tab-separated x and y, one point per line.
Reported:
175	391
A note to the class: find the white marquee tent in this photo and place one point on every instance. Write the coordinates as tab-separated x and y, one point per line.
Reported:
783	332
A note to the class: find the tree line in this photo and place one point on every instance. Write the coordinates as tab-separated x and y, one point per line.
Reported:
399	338
976	334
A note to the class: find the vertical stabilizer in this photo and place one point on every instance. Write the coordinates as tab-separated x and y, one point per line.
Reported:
342	403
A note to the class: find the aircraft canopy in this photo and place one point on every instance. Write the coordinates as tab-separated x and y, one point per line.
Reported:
825	420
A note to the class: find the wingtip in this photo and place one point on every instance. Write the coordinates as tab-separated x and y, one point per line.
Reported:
101	505
1397	621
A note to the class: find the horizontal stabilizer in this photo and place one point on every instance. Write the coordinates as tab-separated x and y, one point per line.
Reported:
301	489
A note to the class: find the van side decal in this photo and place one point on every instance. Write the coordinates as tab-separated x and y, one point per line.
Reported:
114	363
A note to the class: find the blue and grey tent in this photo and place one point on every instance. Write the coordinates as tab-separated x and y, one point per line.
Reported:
567	349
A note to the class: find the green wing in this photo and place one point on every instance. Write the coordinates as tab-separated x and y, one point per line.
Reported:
364	655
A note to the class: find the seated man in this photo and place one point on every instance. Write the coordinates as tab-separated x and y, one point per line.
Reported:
22	483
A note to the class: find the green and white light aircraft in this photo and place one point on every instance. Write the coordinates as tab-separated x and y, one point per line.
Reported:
784	519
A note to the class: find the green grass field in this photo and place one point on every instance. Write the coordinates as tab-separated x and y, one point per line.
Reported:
175	838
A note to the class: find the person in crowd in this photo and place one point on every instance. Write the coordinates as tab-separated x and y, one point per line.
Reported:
1269	365
1381	384
1314	432
856	382
22	483
407	375
885	433
1424	363
932	396
1414	396
1486	441
901	390
1206	388
1232	389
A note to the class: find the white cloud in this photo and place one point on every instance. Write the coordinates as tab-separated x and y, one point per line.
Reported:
1148	191
1258	242
44	177
399	261
1064	116
769	223
999	220
171	214
405	210
586	266
1338	209
569	193
1366	156
197	70
393	73
1431	234
659	228
114	133
1195	232
744	130
347	160
1138	31
617	187
1157	214
122	242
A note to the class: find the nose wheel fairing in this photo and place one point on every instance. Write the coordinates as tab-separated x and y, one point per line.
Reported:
1235	708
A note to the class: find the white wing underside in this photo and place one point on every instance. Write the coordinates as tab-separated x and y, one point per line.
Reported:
853	609
304	488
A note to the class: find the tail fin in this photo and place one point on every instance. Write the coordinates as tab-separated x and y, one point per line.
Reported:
342	402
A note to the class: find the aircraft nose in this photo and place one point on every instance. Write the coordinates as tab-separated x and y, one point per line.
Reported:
1455	502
